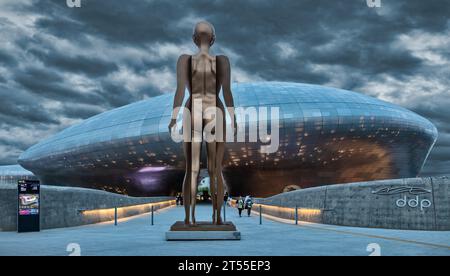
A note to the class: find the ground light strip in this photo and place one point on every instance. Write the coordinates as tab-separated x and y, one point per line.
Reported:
107	214
304	224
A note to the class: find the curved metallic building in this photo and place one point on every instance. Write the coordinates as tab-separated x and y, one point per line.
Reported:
10	175
327	136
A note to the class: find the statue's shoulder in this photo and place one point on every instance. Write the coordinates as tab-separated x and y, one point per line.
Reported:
183	61
184	57
223	60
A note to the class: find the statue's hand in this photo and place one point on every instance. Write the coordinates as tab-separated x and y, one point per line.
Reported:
172	124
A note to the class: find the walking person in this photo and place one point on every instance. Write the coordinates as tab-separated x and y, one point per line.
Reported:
245	201
178	199
226	198
240	205
249	205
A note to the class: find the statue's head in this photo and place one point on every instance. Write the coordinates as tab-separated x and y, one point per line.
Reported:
204	32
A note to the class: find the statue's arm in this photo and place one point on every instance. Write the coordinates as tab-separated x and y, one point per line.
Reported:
182	81
225	77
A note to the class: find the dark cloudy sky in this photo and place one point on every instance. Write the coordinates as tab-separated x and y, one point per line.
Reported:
59	65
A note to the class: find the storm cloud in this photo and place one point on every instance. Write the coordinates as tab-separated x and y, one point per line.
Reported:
60	65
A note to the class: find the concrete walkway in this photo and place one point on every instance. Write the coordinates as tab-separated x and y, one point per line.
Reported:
136	236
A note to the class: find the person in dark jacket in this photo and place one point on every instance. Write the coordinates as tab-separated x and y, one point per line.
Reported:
178	199
240	205
249	205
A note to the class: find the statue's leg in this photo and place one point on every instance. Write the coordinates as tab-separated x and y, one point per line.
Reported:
220	183
195	169
187	182
211	152
196	148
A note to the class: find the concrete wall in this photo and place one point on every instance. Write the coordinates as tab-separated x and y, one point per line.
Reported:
378	204
63	206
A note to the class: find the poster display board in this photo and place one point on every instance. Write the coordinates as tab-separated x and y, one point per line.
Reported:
28	206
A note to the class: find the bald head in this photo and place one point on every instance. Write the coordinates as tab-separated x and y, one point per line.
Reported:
204	32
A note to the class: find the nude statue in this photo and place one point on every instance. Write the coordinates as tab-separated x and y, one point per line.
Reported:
204	76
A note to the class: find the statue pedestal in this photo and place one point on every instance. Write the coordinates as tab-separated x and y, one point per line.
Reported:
202	231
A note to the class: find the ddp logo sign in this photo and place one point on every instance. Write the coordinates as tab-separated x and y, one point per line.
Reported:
413	199
413	203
